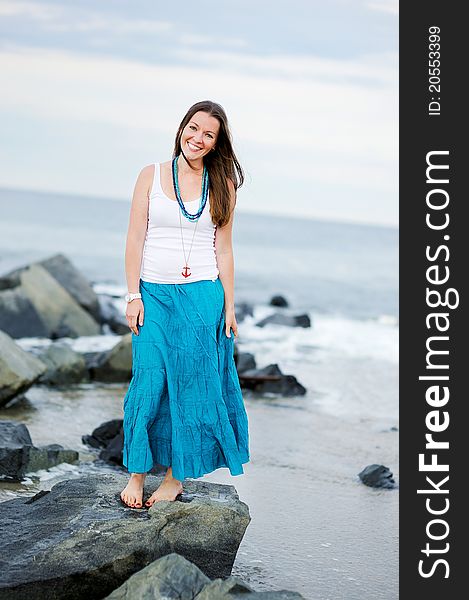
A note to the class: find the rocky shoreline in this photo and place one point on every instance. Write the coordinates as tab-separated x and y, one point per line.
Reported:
52	300
78	540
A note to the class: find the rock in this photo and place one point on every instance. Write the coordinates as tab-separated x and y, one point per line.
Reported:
111	316
242	310
171	576
18	369
109	437
18	455
104	434
18	316
377	476
64	365
112	453
174	577
244	361
40	306
289	321
234	588
115	365
82	540
270	379
49	456
278	301
70	278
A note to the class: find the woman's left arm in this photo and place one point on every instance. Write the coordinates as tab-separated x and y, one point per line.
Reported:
225	261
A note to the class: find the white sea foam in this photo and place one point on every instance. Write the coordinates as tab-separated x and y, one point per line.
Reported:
88	343
375	339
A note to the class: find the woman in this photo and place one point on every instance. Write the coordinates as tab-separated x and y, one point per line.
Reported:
184	408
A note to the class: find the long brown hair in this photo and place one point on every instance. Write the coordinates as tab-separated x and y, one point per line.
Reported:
221	163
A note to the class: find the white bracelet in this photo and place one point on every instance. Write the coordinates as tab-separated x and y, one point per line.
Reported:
129	297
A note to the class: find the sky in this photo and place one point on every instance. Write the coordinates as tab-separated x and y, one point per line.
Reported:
91	92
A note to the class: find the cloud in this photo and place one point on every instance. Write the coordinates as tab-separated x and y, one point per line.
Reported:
333	124
343	116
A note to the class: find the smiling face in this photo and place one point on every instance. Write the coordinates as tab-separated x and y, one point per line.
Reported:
200	135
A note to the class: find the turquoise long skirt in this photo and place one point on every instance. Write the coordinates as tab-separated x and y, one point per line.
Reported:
184	407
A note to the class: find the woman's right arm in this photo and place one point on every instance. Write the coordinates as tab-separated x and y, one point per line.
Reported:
135	242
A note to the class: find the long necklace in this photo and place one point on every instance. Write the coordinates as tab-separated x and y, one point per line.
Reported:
186	272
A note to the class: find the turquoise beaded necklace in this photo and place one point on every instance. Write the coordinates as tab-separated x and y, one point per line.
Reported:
186	272
203	197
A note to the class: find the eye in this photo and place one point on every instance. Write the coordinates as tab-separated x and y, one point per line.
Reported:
210	136
192	127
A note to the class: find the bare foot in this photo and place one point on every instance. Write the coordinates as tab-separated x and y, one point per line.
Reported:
132	494
167	490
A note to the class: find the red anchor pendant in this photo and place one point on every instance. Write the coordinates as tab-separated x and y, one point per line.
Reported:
186	272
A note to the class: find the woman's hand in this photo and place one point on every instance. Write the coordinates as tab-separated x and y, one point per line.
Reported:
134	313
230	322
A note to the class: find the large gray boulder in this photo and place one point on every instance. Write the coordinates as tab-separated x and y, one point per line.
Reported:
80	541
18	369
18	455
40	306
69	277
172	577
76	284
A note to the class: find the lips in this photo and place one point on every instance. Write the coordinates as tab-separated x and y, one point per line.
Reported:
193	147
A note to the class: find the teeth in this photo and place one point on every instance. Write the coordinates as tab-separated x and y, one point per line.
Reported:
193	147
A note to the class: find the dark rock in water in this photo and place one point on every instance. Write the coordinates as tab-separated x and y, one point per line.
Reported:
377	476
172	577
244	361
112	453
270	379
278	301
69	277
19	369
18	455
111	316
109	437
105	433
80	541
290	321
115	365
64	365
40	306
243	309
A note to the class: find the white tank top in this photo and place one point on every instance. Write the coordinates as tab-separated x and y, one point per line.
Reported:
163	256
